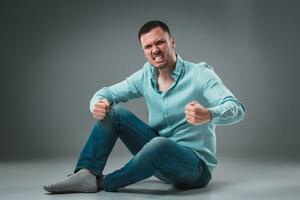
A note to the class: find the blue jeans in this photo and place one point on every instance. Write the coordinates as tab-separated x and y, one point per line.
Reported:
153	155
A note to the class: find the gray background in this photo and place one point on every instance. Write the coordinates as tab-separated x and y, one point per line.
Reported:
56	54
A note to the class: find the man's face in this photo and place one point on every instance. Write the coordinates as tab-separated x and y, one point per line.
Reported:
158	48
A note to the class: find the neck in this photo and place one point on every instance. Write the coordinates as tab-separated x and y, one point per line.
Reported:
165	73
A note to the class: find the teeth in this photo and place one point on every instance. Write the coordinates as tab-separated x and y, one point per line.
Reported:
158	58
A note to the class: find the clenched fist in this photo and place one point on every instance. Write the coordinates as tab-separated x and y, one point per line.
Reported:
196	114
100	109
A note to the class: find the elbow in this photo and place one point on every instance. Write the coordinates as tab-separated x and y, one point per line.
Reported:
240	112
236	113
231	114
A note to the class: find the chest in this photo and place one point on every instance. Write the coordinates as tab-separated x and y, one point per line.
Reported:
164	85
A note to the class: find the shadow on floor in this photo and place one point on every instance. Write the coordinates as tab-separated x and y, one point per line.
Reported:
156	187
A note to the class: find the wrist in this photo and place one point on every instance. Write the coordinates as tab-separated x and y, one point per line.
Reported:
208	115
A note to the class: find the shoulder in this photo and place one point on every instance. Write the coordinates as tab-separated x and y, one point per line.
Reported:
147	68
201	73
142	73
198	68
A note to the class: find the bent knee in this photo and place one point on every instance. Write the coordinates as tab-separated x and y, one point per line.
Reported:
159	143
117	112
159	148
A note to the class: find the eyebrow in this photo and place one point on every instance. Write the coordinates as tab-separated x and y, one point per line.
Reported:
147	45
159	40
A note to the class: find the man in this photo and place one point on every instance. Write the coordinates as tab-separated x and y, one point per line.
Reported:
185	102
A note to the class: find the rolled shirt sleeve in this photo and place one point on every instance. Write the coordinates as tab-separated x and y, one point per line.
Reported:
224	106
123	91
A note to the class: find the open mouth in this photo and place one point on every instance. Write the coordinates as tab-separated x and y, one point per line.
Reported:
158	58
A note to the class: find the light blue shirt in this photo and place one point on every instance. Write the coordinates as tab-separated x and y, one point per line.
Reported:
192	82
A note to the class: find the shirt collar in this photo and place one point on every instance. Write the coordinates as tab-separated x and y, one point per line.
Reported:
175	74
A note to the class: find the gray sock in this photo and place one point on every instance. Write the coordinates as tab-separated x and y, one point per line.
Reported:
82	181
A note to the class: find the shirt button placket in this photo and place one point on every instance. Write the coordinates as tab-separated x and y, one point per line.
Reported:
165	110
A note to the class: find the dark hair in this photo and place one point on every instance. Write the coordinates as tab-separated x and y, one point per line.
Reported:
146	28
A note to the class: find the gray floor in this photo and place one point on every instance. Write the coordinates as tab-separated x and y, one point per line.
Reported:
233	179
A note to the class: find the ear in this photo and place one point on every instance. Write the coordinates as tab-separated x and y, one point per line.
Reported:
143	52
173	42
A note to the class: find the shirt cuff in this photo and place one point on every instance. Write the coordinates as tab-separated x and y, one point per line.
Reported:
215	114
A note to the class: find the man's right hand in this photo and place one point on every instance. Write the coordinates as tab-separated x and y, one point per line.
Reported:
100	109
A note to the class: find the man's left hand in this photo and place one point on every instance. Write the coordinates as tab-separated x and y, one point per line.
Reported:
196	114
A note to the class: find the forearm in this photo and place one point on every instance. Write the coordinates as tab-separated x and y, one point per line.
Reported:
229	112
119	92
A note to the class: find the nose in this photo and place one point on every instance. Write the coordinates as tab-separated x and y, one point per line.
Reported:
155	49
